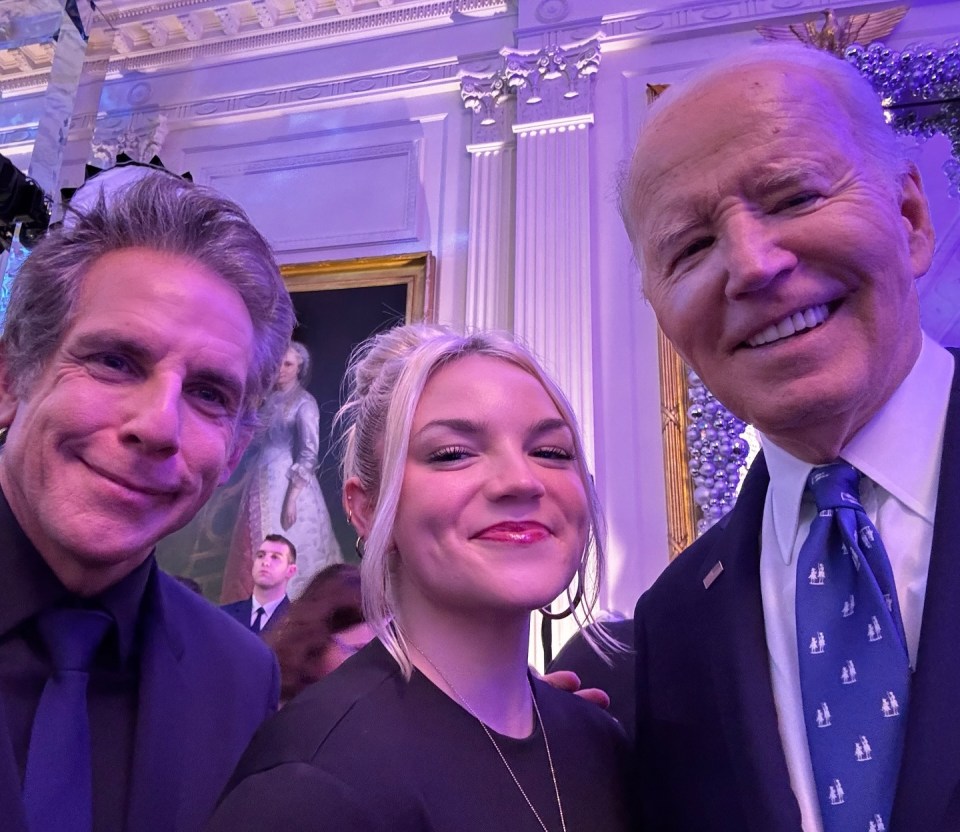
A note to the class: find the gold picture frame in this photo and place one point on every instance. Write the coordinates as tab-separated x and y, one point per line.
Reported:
414	271
681	507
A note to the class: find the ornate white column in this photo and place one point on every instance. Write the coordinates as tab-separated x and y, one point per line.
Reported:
552	291
491	224
552	310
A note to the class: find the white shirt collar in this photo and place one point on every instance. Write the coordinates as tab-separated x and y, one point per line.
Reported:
898	448
268	609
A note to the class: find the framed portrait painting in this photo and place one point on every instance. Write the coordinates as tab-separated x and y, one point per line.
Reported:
338	305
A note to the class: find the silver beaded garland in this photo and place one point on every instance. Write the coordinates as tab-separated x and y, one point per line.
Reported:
717	453
920	87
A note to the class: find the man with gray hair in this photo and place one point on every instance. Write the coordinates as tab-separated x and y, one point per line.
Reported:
784	681
140	339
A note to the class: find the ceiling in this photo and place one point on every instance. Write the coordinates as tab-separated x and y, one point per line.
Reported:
145	34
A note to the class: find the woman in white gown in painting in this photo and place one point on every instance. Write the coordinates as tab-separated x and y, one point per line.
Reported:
282	493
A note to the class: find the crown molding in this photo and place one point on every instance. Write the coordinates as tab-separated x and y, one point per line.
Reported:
176	33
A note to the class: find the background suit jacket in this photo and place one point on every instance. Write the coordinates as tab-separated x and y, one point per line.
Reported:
242	611
709	749
205	687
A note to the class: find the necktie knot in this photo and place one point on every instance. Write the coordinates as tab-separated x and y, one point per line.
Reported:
836	485
73	636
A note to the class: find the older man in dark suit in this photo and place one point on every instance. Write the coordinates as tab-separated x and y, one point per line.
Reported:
140	340
274	564
781	232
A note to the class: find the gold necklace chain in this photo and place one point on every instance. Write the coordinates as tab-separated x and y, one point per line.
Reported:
487	731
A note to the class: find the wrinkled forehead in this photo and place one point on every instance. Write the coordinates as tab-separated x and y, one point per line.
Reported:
717	113
709	125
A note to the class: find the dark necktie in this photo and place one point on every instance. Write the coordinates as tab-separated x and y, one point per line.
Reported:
257	620
57	791
854	667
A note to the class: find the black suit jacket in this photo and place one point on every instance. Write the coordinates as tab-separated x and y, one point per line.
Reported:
709	749
243	610
204	688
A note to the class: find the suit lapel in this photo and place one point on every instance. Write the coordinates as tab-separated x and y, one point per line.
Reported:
741	671
160	734
930	771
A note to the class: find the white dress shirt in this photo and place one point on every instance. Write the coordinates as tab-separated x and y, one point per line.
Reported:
898	451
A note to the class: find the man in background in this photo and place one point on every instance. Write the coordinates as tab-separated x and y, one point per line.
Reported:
274	564
140	339
797	666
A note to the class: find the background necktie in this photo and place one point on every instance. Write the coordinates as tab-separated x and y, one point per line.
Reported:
854	667
57	791
257	620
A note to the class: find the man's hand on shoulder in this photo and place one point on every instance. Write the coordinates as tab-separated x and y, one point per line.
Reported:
569	681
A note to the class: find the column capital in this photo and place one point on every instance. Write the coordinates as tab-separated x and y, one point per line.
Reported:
554	83
140	137
491	100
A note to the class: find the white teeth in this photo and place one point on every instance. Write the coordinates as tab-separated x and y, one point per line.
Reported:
769	334
792	324
786	327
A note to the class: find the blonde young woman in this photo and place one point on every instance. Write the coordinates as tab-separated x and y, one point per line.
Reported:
465	480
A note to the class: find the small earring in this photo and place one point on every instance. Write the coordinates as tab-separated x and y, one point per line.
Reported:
574	603
350	516
359	547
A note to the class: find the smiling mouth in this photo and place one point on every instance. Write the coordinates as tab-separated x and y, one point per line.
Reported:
798	322
515	533
136	488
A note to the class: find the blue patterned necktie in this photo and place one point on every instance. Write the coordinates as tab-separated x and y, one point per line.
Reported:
57	783
854	667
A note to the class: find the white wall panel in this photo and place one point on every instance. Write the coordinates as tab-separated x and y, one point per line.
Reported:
329	200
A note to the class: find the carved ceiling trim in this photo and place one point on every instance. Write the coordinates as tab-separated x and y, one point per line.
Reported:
669	22
225	108
180	32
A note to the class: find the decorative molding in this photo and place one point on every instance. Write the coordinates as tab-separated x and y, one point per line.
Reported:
157	32
431	75
229	17
555	82
303	23
267	13
123	43
493	105
192	25
198	30
552	11
554	125
141	138
306	10
671	22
